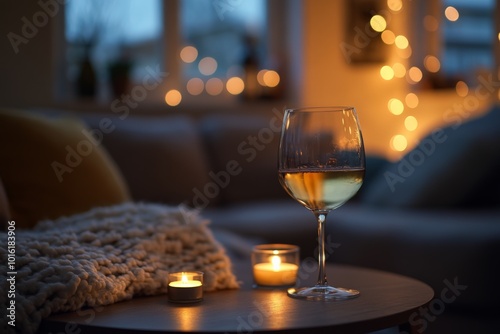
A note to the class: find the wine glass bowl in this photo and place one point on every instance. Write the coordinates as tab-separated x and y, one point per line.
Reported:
321	164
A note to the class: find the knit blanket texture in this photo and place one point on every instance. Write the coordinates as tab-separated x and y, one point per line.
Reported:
107	255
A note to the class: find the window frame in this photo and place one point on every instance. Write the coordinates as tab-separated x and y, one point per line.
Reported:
281	14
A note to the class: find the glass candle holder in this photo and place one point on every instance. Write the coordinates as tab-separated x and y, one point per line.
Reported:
275	265
185	287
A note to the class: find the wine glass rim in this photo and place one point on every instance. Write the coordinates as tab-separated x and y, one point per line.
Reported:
321	108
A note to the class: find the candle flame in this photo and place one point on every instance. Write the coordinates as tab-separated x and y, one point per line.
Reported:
276	261
184	278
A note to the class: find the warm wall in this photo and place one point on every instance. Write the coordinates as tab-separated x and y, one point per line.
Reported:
321	73
330	80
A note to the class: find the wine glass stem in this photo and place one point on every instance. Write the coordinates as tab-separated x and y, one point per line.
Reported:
321	217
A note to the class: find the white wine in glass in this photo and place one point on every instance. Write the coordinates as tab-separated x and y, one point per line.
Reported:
321	164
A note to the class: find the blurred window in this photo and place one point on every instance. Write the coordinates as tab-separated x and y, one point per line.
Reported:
114	39
217	41
229	31
468	34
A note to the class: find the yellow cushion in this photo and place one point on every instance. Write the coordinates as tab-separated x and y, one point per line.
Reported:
51	167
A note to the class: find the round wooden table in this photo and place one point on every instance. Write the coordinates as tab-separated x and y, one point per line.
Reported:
386	300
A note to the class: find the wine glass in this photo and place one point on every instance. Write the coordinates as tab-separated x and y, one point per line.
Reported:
321	164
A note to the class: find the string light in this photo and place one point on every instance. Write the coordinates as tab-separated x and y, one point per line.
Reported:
260	77
432	64
173	97
207	66
235	85
189	54
411	100
388	37
401	42
399	143
399	70
214	86
395	106
451	13
414	75
395	5
386	72
271	78
411	123
195	86
378	23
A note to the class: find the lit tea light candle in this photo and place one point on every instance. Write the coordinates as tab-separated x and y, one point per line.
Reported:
275	264
185	287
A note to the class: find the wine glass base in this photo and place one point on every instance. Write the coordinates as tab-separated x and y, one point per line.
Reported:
322	293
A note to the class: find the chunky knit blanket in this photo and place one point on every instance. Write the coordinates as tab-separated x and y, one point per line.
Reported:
104	256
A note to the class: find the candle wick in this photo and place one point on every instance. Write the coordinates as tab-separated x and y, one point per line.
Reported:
276	261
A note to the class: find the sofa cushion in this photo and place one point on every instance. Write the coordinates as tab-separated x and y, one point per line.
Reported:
161	158
243	151
430	245
456	166
51	168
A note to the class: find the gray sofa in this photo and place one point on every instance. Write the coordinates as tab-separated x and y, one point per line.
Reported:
437	218
434	215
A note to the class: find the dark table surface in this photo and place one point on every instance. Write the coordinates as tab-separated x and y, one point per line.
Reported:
386	300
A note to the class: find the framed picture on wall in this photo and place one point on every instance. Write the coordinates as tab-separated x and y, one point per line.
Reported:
362	43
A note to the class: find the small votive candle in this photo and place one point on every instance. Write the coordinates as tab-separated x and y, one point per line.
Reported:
275	264
185	287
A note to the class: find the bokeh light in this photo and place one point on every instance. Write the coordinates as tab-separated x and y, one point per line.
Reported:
271	78
386	72
189	54
173	97
388	37
395	5
395	106
260	77
432	64
401	42
195	86
451	13
378	23
214	86
235	85
399	70
399	143
411	100
411	123
414	74
207	66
